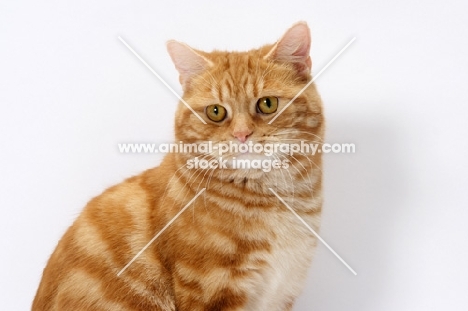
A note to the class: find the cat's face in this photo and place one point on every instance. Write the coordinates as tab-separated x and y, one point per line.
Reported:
238	94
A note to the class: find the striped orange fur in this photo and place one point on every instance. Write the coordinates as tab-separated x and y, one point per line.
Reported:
237	247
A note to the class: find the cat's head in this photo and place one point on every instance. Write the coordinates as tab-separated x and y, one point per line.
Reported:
239	97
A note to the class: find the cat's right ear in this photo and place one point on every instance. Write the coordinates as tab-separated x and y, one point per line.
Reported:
188	62
294	47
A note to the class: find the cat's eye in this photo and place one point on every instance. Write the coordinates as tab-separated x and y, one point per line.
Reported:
216	113
267	104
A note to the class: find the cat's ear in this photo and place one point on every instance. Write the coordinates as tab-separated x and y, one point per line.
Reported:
188	62
294	47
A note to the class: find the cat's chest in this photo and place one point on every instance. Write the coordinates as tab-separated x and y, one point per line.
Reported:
281	279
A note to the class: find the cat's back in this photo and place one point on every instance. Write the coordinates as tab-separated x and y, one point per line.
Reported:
82	272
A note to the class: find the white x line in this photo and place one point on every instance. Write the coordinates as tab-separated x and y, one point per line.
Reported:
201	191
161	79
313	231
312	81
160	232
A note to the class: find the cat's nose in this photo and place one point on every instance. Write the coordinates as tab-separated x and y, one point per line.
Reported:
242	135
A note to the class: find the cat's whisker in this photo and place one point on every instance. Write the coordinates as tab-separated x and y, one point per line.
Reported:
190	175
294	131
208	84
306	170
292	184
197	171
208	183
211	176
214	81
297	141
306	156
280	140
277	156
285	183
208	170
312	162
173	175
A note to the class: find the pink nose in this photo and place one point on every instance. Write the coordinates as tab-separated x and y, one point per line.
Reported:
242	135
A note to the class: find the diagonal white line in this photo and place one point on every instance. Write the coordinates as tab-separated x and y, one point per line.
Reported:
160	232
161	79
313	231
313	79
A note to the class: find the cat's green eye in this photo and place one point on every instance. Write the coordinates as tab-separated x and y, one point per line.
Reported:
216	113
267	104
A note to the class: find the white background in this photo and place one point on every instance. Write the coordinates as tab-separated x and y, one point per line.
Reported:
396	210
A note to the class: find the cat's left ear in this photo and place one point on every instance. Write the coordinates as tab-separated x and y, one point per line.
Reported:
188	62
294	47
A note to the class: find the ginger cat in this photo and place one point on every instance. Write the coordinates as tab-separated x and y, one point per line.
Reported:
236	247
